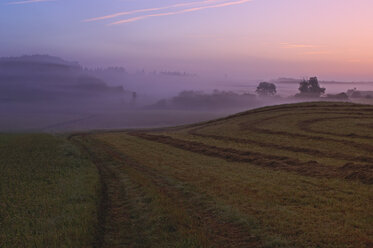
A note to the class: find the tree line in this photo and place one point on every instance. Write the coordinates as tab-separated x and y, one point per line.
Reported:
307	88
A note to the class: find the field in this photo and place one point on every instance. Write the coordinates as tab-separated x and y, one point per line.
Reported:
48	193
285	176
298	175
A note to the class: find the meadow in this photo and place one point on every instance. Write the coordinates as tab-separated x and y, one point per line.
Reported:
49	193
296	175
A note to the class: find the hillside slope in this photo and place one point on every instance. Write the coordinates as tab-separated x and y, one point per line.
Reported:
286	176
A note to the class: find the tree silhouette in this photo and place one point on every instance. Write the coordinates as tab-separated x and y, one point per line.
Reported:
266	89
311	88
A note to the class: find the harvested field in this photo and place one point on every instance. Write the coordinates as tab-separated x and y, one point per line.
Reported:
296	175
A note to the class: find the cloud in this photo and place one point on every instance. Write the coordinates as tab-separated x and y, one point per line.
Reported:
221	5
317	53
29	1
151	9
306	49
290	45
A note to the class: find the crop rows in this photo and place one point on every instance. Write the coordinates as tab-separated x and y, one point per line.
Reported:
271	177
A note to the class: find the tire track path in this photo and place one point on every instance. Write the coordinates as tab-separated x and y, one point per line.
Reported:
351	171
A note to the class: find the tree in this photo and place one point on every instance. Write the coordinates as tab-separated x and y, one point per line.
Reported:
311	88
266	89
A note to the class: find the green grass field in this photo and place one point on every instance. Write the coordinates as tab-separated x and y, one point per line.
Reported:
48	193
296	175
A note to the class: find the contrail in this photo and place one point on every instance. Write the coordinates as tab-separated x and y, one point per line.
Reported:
180	12
29	1
151	9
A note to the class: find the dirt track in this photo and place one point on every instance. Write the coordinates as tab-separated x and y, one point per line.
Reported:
115	207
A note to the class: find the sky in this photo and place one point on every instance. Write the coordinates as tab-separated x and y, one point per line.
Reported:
257	39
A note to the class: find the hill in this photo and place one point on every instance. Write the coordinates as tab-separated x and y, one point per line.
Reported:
296	175
43	78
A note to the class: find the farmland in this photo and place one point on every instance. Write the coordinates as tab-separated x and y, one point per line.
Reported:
285	176
297	175
49	193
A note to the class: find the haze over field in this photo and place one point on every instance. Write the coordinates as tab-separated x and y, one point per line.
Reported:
77	65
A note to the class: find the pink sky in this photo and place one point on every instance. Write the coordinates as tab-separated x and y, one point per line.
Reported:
258	39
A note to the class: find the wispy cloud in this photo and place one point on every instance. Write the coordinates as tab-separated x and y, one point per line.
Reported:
151	10
29	1
290	45
317	53
221	5
306	49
